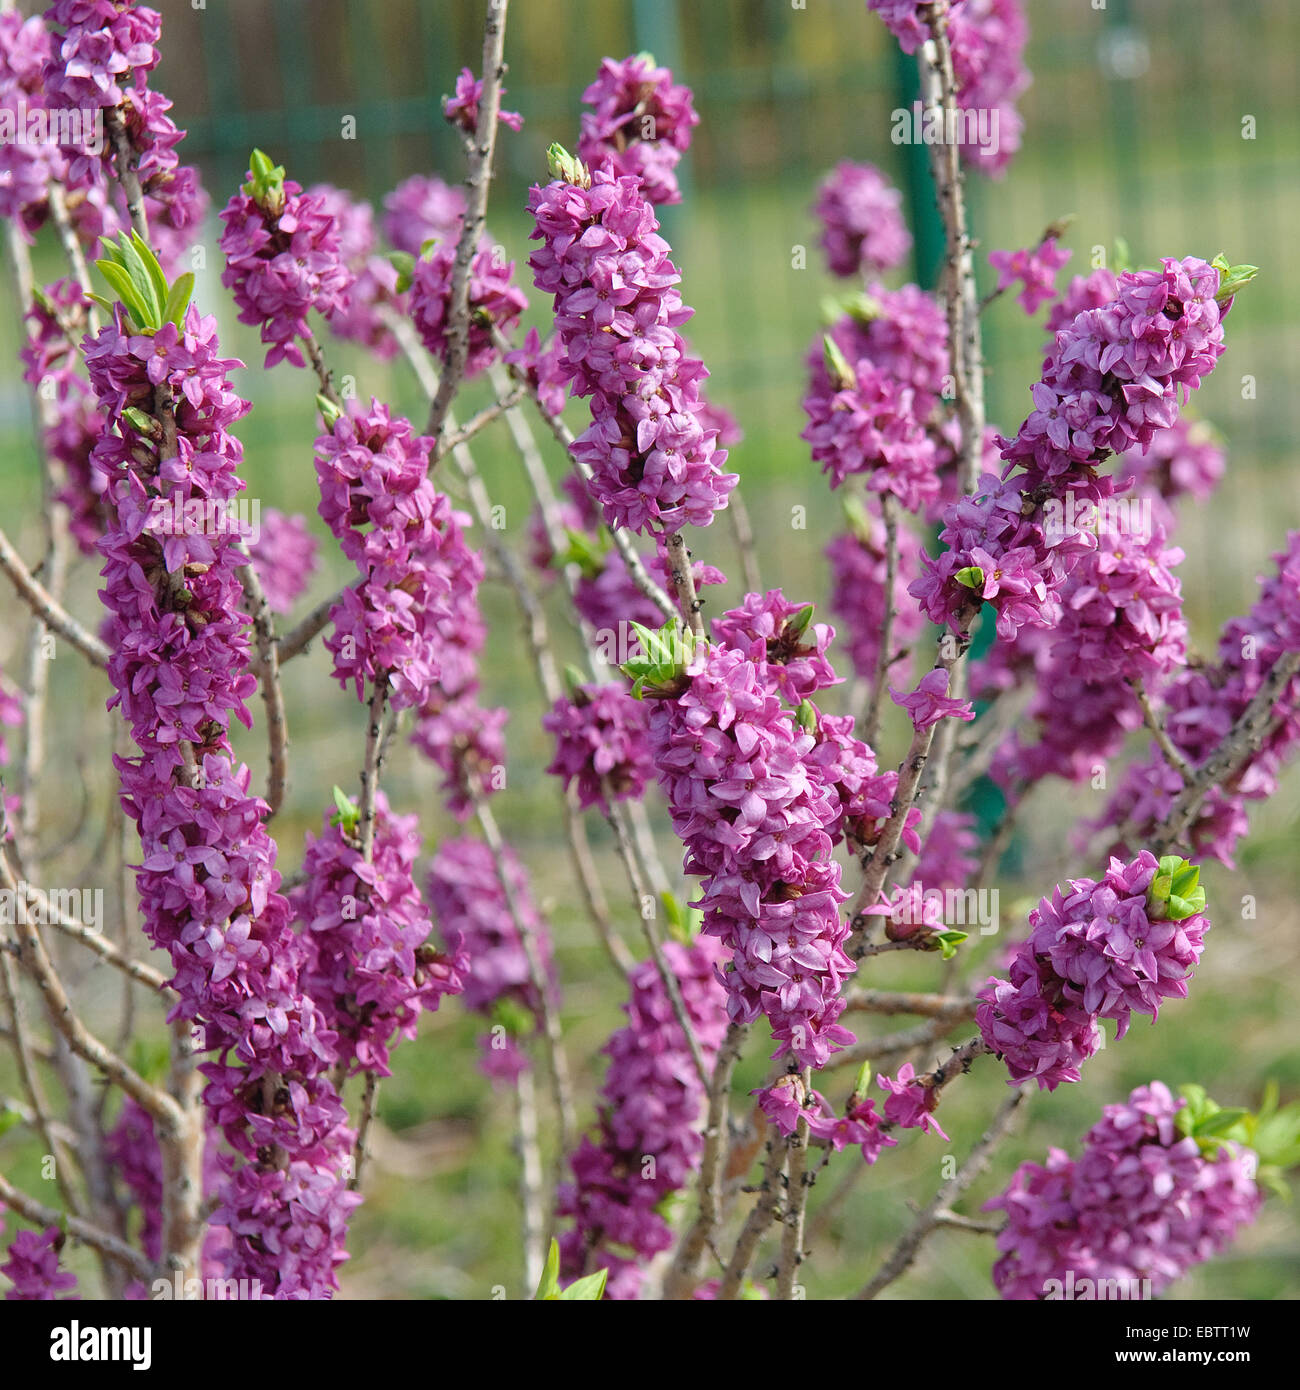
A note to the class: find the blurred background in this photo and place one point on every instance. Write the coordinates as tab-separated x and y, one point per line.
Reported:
1169	123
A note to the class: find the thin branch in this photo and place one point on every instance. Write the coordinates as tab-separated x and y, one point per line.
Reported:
361	1150
47	609
300	637
937	1210
800	1183
32	956
370	767
111	1246
876	1001
1158	731
477	183
682	1274
742	529
95	941
277	728
31	1083
939	93
1243	739
880	858
871	722
531	1194
549	1014
760	1217
682	577
640	893
477	422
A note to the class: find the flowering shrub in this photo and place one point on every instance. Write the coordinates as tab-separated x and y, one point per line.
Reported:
786	801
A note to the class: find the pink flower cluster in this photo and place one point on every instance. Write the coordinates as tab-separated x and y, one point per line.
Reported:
1201	706
422	208
477	926
882	419
207	881
404	538
1183	460
1121	620
1114	377
283	260
102	59
365	930
639	125
651	1104
373	278
778	634
494	299
1033	268
863	232
33	1267
617	314
461	109
1141	1202
869	425
52	367
600	744
25	168
284	556
1095	951
988	43
756	819
847	767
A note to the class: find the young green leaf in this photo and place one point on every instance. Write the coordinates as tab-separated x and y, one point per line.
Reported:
178	299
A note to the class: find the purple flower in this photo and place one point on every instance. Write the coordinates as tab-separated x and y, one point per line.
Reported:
929	702
420	209
400	623
617	311
758	820
373	286
911	1102
462	108
640	123
494	299
777	633
281	264
476	923
1141	1203
33	1267
1202	705
863	231
365	930
870	426
1096	951
284	556
600	744
1034	267
647	1142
